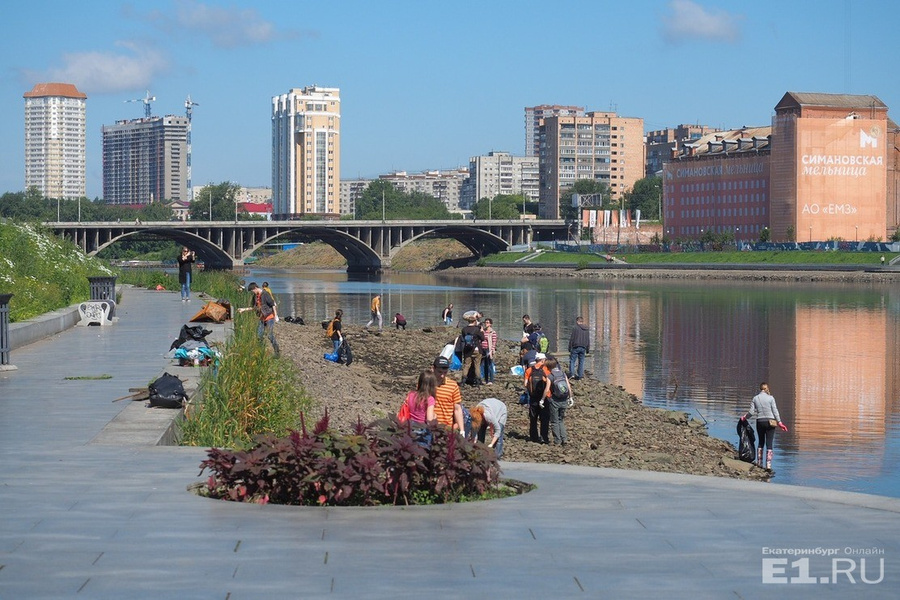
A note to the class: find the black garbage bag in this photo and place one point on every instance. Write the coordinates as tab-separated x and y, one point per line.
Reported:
345	353
167	392
746	441
191	332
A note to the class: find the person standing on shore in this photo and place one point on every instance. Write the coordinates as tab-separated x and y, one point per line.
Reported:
579	346
376	312
447	315
185	259
537	382
560	397
767	420
337	337
265	310
471	337
447	397
267	290
488	347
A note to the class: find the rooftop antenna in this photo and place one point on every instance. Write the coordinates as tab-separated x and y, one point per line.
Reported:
146	100
188	111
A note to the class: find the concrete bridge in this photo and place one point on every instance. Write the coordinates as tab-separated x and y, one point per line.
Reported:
368	246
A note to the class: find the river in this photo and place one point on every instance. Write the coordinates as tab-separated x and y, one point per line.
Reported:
828	350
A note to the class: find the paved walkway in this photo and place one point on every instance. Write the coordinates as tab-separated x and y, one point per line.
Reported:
84	519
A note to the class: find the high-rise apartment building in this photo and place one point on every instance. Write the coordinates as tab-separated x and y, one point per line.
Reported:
533	116
664	144
306	152
600	145
55	115
500	173
145	160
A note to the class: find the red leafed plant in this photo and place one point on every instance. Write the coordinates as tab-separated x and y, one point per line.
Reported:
386	462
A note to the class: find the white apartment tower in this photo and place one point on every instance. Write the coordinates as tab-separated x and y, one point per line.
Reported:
306	151
55	115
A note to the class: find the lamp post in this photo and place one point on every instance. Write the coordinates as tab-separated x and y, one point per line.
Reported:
210	205
736	243
810	233
382	206
490	207
57	210
856	235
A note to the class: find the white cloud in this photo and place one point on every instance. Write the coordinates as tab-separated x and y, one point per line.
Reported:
689	21
225	27
106	72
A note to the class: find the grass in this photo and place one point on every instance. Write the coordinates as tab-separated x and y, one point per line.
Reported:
42	272
793	257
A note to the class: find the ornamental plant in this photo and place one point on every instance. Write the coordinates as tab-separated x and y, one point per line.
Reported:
386	462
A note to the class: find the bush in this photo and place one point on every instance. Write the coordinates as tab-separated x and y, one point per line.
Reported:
383	463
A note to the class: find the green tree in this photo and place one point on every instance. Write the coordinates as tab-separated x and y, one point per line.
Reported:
646	196
585	187
222	196
501	206
764	234
382	198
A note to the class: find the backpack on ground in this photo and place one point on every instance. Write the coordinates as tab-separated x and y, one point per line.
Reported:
329	329
167	392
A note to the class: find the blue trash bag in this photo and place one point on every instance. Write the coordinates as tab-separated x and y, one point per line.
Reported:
332	356
455	363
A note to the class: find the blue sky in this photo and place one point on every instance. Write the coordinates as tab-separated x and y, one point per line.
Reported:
426	85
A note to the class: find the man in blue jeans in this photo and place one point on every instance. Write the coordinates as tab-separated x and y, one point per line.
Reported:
579	346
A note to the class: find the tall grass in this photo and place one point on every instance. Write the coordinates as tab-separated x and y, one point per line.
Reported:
43	272
251	393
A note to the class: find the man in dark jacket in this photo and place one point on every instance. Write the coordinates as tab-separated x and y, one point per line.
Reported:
579	345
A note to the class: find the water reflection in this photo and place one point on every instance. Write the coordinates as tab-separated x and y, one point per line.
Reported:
827	350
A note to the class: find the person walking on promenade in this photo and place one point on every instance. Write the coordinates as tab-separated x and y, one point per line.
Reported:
185	259
488	348
767	420
447	397
579	346
491	414
265	310
376	312
447	315
337	336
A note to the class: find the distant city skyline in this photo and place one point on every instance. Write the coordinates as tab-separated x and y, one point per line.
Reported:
425	86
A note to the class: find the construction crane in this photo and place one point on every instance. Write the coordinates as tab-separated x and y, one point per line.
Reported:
188	112
146	100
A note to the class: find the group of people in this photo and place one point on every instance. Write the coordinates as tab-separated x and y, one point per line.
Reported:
476	347
437	397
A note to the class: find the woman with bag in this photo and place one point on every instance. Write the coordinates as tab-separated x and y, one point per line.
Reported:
767	420
419	404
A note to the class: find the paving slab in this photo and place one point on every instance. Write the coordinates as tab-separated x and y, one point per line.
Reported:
83	519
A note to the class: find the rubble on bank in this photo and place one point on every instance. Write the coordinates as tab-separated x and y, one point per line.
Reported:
608	427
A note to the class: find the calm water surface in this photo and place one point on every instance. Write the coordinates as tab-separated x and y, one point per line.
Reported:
828	351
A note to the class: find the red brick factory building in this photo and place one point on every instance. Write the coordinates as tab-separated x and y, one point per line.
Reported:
827	168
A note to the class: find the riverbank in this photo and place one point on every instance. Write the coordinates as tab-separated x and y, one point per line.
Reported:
608	427
811	273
